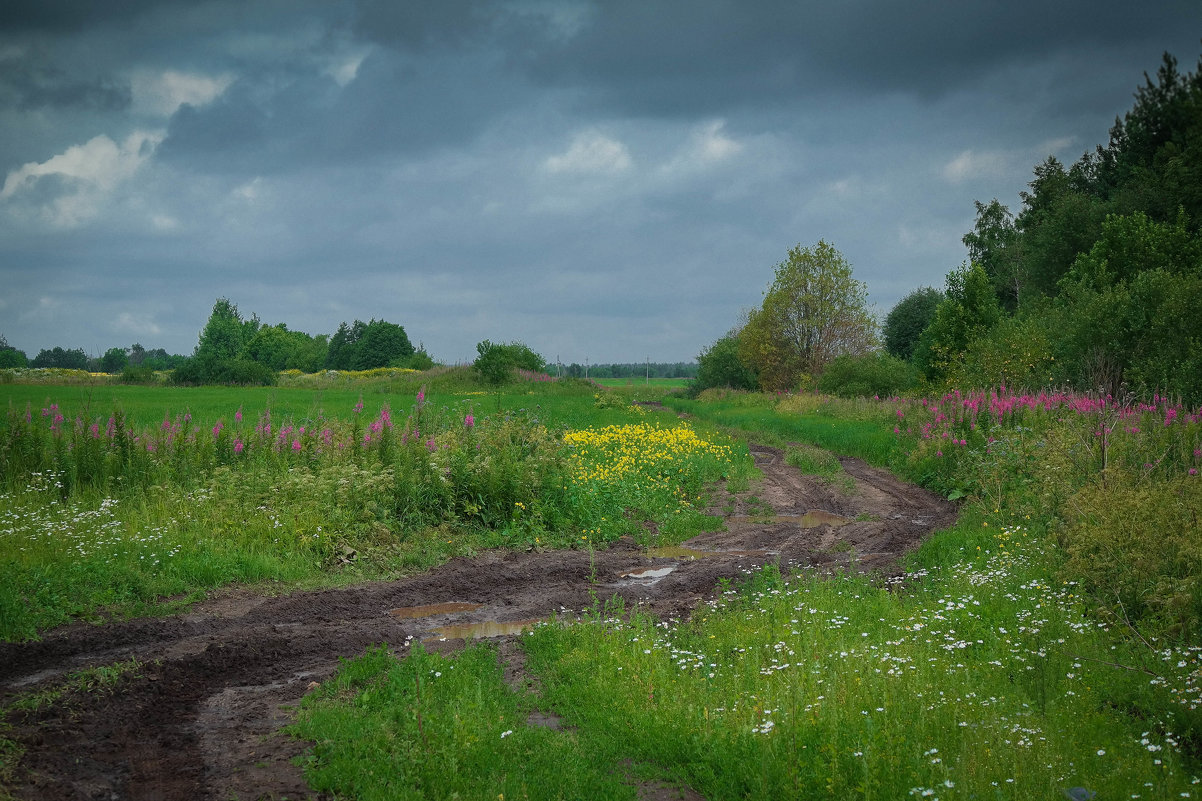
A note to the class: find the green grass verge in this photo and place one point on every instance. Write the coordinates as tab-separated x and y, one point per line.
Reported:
429	726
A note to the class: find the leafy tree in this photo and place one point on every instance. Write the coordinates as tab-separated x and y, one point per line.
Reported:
225	335
1130	310
73	359
969	310
281	349
114	360
907	320
1016	353
364	346
10	356
719	365
159	359
380	345
813	311
495	362
1058	222
995	244
338	357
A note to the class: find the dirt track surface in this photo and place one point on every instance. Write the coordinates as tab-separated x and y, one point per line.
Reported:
201	719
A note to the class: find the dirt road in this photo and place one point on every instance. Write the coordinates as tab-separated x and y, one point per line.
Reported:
200	719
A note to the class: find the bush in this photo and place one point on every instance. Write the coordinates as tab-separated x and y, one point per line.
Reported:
719	365
138	375
236	372
1134	546
908	319
876	374
496	363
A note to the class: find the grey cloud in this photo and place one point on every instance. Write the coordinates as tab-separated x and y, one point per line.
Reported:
73	15
274	121
702	56
29	87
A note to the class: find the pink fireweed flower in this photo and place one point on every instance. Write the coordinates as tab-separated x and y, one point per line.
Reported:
238	446
359	405
469	421
95	430
1193	471
296	445
238	415
217	429
432	445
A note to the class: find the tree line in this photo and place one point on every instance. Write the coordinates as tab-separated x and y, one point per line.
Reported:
235	350
1095	283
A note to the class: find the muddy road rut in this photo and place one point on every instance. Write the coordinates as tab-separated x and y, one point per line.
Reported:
200	719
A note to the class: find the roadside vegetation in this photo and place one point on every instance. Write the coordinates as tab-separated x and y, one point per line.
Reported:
1021	654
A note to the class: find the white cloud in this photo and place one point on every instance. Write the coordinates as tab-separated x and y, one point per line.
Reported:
249	191
90	172
344	67
163	93
591	152
138	324
971	164
710	144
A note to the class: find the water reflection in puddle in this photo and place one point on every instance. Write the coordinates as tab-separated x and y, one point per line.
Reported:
652	573
490	628
429	610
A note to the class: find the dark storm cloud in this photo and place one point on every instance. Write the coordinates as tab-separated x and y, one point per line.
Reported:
28	87
702	56
59	16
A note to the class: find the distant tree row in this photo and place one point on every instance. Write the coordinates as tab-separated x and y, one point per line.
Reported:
628	370
237	350
114	360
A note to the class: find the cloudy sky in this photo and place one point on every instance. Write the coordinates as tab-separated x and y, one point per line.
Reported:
609	180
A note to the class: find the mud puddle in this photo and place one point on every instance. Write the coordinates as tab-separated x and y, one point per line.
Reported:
201	718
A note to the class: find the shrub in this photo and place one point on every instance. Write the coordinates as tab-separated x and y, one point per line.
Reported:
1133	544
872	374
497	362
719	365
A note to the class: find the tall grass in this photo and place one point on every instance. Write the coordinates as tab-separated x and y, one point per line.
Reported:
103	514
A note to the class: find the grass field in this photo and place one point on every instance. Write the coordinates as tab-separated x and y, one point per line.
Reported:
659	383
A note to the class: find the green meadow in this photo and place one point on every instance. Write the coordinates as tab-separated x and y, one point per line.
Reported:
1046	645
